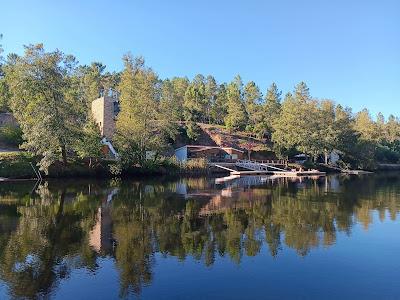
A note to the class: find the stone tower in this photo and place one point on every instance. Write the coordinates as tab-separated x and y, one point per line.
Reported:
104	111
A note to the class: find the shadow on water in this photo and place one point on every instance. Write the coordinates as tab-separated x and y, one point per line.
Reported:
63	226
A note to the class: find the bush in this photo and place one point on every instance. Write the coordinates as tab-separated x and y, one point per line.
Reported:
11	135
386	155
196	165
17	165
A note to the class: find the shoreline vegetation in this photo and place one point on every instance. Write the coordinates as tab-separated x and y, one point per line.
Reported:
50	96
16	165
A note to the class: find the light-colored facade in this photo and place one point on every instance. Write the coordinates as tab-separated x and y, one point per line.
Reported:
104	111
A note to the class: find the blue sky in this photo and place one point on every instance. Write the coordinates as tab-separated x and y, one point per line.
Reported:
348	51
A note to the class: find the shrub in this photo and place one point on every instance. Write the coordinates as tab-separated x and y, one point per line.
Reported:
16	165
11	135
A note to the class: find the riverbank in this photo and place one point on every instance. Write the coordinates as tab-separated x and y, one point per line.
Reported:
17	165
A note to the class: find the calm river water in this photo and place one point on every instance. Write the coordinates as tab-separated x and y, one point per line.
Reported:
247	238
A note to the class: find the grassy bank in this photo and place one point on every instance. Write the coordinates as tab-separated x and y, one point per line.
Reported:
17	165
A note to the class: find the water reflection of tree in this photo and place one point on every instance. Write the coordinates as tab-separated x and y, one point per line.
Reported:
42	249
51	232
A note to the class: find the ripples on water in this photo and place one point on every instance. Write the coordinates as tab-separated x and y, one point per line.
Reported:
250	237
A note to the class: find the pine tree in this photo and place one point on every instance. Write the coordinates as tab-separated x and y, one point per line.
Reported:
302	92
236	112
270	111
169	111
180	85
252	98
194	103
211	90
220	106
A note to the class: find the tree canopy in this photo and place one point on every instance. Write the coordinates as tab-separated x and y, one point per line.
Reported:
50	95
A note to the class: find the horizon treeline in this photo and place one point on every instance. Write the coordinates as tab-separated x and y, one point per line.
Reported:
50	94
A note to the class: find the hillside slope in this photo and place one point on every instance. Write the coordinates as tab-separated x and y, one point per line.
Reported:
217	135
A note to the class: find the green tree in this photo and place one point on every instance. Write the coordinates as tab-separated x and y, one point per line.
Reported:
169	111
195	100
365	126
4	91
211	91
180	85
91	81
298	125
327	132
219	109
252	99
89	142
45	101
236	117
138	127
270	111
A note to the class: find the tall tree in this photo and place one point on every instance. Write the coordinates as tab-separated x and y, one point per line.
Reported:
298	124
302	92
180	85
220	106
366	127
138	126
4	91
169	110
270	111
236	117
211	90
44	101
91	81
194	104
252	99
326	126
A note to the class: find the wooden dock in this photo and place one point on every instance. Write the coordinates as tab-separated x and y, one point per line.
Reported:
278	173
255	168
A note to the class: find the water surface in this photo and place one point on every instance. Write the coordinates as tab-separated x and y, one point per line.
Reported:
166	238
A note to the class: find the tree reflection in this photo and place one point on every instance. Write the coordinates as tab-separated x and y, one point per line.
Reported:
59	228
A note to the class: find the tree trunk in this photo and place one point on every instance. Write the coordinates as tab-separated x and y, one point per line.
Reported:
64	154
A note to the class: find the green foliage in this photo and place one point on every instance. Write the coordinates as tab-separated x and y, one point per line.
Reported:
270	111
44	102
219	109
51	96
11	135
195	101
386	155
16	165
180	86
192	130
236	117
4	92
252	101
143	124
89	145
